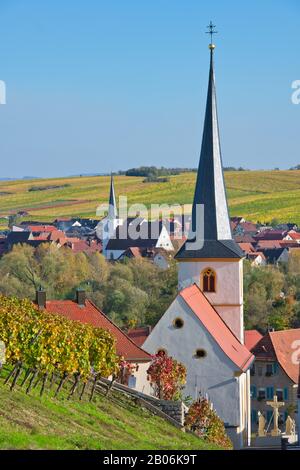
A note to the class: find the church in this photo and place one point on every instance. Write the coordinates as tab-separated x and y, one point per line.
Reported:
203	328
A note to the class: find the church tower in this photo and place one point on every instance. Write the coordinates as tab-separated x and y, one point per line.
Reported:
112	208
107	226
210	257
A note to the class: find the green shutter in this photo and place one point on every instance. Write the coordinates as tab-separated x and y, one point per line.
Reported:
285	394
253	391
270	393
254	416
275	368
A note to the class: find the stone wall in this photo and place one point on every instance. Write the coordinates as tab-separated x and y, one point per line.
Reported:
176	409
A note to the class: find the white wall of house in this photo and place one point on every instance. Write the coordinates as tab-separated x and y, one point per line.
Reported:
142	384
284	257
160	261
215	374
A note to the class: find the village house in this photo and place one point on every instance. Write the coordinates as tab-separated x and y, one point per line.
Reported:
275	372
292	235
257	258
85	311
204	326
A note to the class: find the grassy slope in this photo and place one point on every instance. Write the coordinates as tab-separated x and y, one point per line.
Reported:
31	422
257	195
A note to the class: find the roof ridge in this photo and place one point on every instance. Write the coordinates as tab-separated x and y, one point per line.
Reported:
225	324
220	316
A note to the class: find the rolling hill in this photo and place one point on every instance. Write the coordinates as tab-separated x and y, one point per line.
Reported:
256	195
31	422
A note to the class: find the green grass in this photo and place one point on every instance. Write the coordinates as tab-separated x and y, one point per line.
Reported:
256	195
31	422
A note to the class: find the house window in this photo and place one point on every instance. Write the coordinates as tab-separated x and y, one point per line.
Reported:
269	370
279	393
178	323
252	370
209	280
261	394
132	381
200	353
260	371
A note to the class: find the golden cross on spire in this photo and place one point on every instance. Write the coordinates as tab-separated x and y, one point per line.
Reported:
211	30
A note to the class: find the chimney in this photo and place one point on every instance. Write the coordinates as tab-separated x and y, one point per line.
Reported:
80	297
40	298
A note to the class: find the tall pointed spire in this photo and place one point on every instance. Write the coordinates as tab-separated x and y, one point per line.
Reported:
112	208
214	224
210	188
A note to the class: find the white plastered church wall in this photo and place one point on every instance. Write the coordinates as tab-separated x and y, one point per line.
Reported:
213	374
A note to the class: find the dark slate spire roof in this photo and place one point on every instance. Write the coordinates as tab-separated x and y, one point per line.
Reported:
210	190
112	209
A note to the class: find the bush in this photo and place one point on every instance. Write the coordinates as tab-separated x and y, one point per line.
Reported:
167	377
204	421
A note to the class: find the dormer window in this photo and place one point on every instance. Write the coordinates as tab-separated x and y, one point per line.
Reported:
209	280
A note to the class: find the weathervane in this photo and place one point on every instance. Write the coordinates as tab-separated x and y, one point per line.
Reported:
211	30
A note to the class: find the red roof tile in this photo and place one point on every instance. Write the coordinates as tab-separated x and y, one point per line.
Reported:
139	335
262	244
252	337
246	247
283	347
41	228
93	316
215	325
294	235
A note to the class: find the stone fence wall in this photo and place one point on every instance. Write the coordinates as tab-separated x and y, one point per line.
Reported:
176	409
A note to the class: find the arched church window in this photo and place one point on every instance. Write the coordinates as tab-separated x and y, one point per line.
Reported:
209	280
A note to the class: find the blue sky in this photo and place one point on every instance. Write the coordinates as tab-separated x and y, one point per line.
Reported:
98	86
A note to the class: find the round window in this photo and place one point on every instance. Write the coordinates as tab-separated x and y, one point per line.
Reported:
200	353
178	323
161	352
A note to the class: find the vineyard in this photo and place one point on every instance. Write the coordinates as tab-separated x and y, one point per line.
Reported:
255	195
48	350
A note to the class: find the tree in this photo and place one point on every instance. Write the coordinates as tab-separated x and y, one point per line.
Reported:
167	376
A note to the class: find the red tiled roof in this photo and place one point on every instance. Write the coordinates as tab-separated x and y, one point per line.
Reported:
246	247
270	235
211	320
80	246
262	244
289	244
41	228
244	238
294	235
248	227
139	335
251	338
283	347
93	316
